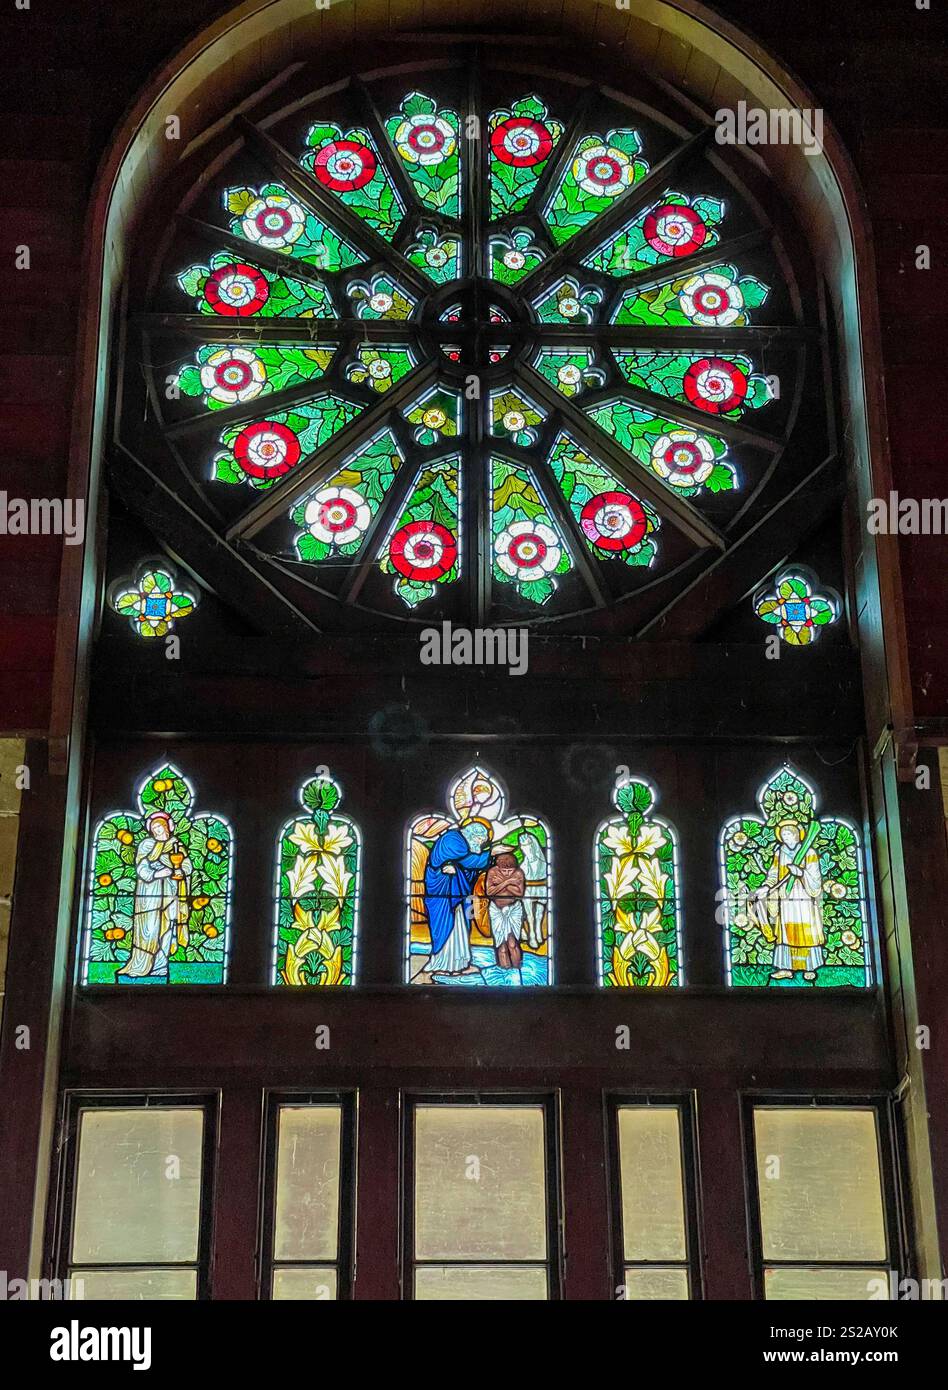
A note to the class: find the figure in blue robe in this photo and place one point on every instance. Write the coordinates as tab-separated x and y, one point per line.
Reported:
457	858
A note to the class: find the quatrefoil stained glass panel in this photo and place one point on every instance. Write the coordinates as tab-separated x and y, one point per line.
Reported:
512	356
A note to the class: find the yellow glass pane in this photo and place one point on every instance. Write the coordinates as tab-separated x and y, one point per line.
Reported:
653	1205
134	1284
480	1182
306	1222
828	1283
138	1186
304	1284
473	1284
656	1283
820	1184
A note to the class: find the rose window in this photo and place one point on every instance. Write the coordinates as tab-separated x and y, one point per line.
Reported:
525	357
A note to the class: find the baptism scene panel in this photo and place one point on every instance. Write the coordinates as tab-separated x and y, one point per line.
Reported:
479	883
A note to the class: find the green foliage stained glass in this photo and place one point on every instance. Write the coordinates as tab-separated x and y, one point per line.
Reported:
529	551
600	170
239	289
334	518
319	856
233	375
272	218
158	902
674	227
726	385
687	460
427	141
264	451
614	523
347	165
423	549
522	138
637	894
794	908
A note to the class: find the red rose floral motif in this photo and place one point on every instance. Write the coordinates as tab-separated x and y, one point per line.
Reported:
715	385
521	142
266	450
344	165
674	230
614	521
236	290
423	550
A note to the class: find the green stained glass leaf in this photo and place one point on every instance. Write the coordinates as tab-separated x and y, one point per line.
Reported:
423	547
380	368
347	165
267	449
718	297
522	138
272	218
528	545
227	375
685	459
615	523
674	226
717	385
334	519
230	288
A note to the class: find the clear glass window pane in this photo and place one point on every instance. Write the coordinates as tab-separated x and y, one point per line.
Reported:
306	1220
138	1186
820	1184
827	1283
653	1282
132	1284
480	1182
653	1203
473	1283
304	1284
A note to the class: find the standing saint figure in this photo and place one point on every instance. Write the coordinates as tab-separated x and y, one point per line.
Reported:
458	856
160	912
504	887
788	903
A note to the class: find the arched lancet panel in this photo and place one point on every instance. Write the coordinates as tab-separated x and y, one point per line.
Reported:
318	883
794	893
158	901
638	894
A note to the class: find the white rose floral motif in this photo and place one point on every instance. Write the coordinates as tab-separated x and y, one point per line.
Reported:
526	550
711	300
233	374
274	222
603	171
337	515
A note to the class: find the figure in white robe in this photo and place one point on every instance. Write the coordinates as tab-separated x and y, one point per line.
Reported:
790	908
160	912
534	898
